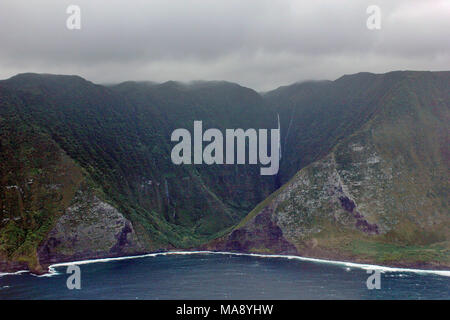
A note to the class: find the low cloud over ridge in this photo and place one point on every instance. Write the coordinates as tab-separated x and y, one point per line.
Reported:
258	43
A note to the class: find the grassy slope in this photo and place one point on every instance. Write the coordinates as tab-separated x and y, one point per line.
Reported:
38	181
406	193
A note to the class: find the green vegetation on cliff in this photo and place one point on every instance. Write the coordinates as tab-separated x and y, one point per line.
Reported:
381	193
372	151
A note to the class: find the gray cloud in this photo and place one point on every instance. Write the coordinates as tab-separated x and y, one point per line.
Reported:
257	43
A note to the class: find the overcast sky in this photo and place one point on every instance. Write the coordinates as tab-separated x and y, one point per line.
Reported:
261	44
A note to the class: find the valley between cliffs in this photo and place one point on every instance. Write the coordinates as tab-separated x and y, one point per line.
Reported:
364	177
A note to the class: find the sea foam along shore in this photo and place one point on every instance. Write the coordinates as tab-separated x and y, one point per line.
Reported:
52	270
13	273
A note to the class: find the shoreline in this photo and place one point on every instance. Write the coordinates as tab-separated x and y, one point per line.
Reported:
365	266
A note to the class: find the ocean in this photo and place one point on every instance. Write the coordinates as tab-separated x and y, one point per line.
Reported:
224	276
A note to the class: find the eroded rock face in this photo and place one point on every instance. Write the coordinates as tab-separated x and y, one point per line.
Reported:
11	266
377	197
317	197
89	228
261	235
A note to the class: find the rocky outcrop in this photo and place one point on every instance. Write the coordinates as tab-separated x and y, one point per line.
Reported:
261	234
7	265
313	200
89	228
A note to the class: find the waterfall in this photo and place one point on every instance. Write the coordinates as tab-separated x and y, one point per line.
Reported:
167	190
279	136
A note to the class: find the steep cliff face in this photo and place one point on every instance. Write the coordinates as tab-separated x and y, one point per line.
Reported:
37	181
50	210
120	136
60	132
86	170
89	228
380	196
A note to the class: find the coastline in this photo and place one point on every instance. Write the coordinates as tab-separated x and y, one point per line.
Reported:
365	266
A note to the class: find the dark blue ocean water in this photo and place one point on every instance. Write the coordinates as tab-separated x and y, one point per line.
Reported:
209	276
